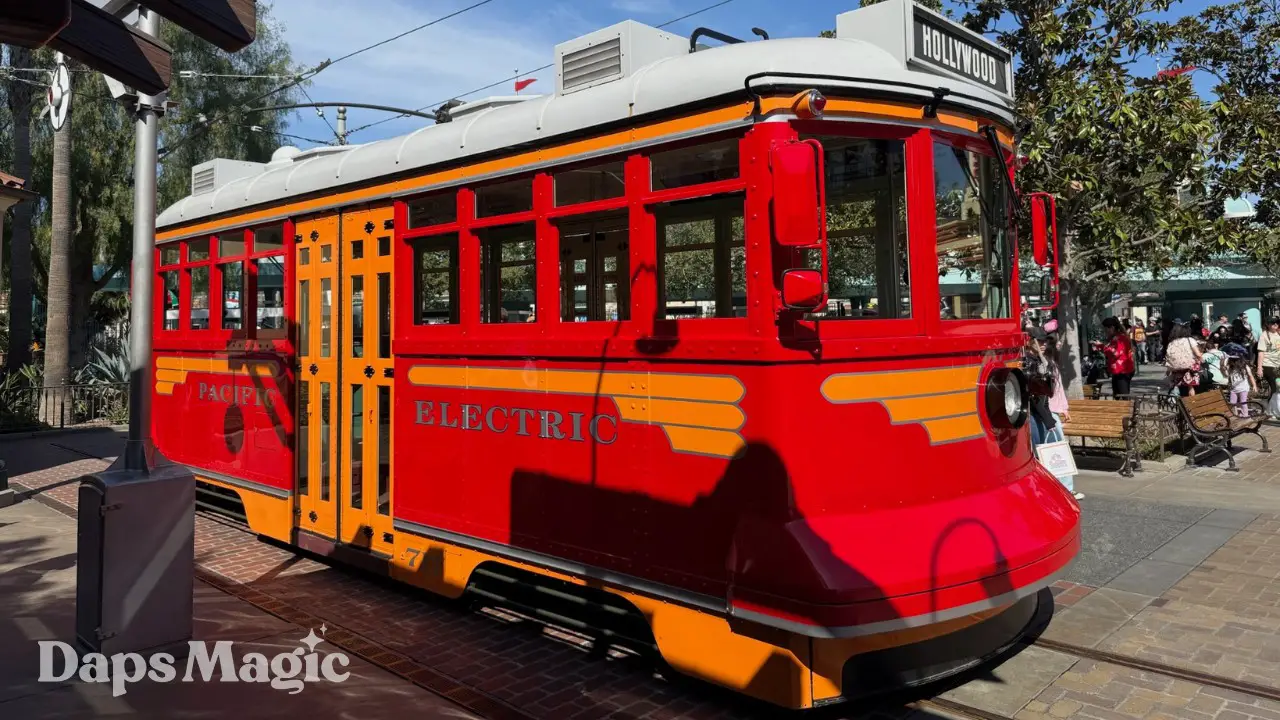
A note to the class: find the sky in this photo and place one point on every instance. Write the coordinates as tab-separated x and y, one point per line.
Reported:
487	44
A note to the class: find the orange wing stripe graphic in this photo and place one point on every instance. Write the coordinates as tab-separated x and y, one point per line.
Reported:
172	370
944	401
699	413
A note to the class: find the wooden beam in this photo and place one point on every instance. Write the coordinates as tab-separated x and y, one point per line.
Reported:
104	43
229	24
32	24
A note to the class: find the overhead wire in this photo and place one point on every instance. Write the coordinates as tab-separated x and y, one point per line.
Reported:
320	112
260	129
308	74
517	76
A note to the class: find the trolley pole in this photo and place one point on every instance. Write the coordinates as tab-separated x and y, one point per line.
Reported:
342	124
143	268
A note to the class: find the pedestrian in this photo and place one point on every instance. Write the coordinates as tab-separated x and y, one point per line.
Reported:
1196	326
1240	333
1139	337
1268	362
1119	353
1182	358
1222	322
1048	398
1155	348
1241	383
1215	361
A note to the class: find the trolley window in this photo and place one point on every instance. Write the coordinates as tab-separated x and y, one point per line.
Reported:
507	272
435	280
694	165
504	198
702	258
172	299
975	255
866	229
594	277
433	210
586	184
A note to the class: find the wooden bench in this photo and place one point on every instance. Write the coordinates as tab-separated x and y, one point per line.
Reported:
1107	420
1213	424
1092	392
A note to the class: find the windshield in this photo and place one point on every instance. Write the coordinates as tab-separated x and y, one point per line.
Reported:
975	255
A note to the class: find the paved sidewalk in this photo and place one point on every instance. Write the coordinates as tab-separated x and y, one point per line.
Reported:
37	592
1179	568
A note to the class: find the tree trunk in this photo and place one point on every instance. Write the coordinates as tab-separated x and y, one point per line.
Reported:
1069	321
82	292
19	352
57	357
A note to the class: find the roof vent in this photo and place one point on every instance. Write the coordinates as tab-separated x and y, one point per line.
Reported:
209	176
611	54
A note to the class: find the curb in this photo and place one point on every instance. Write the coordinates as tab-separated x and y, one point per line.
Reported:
30	434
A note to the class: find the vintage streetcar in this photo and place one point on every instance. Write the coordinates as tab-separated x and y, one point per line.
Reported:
713	349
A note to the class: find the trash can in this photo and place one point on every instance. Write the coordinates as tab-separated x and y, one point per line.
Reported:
135	569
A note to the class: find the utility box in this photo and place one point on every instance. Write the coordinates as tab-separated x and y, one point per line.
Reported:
135	571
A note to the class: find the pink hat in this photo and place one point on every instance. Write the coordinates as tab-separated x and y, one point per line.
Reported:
1051	326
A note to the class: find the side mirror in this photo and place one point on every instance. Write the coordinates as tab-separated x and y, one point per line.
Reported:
797	190
803	289
1044	248
1044	229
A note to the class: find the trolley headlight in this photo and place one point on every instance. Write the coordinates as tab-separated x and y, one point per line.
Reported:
1006	399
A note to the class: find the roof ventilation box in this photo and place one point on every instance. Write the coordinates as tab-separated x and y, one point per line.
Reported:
612	54
213	174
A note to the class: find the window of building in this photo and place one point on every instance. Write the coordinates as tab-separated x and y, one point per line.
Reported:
868	252
507	272
172	299
435	289
594	182
595	282
702	258
975	254
433	210
696	164
504	198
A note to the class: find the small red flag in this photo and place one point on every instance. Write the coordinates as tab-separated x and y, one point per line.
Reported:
522	84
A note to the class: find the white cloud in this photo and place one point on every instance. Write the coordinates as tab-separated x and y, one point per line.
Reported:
474	49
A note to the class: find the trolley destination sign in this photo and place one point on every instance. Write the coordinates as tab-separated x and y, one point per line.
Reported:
943	46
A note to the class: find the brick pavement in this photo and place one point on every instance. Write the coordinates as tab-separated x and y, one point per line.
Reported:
1221	615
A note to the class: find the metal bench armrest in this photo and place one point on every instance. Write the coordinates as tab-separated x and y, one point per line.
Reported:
1225	431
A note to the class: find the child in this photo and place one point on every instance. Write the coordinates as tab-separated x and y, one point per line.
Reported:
1241	382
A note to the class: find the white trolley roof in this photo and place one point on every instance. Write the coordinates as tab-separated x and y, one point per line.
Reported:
876	52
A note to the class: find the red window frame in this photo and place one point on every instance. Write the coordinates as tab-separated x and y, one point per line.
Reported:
972	326
548	334
922	260
215	338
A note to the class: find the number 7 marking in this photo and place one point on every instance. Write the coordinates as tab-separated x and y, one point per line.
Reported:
413	554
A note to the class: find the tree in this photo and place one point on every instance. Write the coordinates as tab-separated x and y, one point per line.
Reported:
57	356
1114	145
20	294
196	140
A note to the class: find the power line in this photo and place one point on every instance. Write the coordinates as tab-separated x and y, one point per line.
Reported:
307	75
260	129
695	12
320	112
518	76
412	30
